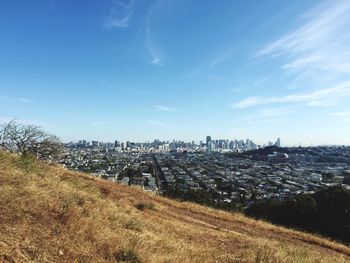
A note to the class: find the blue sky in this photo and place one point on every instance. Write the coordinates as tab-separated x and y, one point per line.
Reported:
141	70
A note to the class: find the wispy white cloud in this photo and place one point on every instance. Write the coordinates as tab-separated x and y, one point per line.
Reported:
152	46
236	130
320	45
261	81
215	77
344	116
341	114
119	14
321	97
153	49
237	89
267	115
156	61
221	58
273	112
24	100
317	51
164	108
99	123
162	124
107	82
6	119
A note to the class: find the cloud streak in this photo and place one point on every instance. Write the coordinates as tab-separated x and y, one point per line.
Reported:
4	119
24	100
344	116
341	114
319	97
119	14
151	45
162	125
221	58
316	51
165	108
267	115
99	123
153	50
320	45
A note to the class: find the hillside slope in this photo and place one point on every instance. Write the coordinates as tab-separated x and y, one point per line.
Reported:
49	214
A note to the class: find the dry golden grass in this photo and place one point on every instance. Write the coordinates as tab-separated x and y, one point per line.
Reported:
49	214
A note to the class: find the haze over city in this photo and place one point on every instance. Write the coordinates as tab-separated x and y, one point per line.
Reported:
145	70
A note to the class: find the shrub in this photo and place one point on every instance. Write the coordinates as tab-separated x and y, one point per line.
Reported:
128	252
127	256
134	224
26	161
145	205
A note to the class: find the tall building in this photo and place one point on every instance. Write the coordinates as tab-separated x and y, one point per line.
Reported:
211	145
208	140
278	142
95	143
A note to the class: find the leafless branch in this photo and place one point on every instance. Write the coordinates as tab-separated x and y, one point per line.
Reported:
23	138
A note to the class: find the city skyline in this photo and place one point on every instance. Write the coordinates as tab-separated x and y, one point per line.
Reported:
141	70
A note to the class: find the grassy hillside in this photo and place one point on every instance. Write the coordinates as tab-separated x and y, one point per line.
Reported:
49	214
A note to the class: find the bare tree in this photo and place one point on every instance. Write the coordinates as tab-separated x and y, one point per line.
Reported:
29	139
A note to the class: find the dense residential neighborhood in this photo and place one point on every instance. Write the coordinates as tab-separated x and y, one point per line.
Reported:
242	176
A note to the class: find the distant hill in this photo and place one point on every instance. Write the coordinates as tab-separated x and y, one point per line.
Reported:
267	150
49	214
262	153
